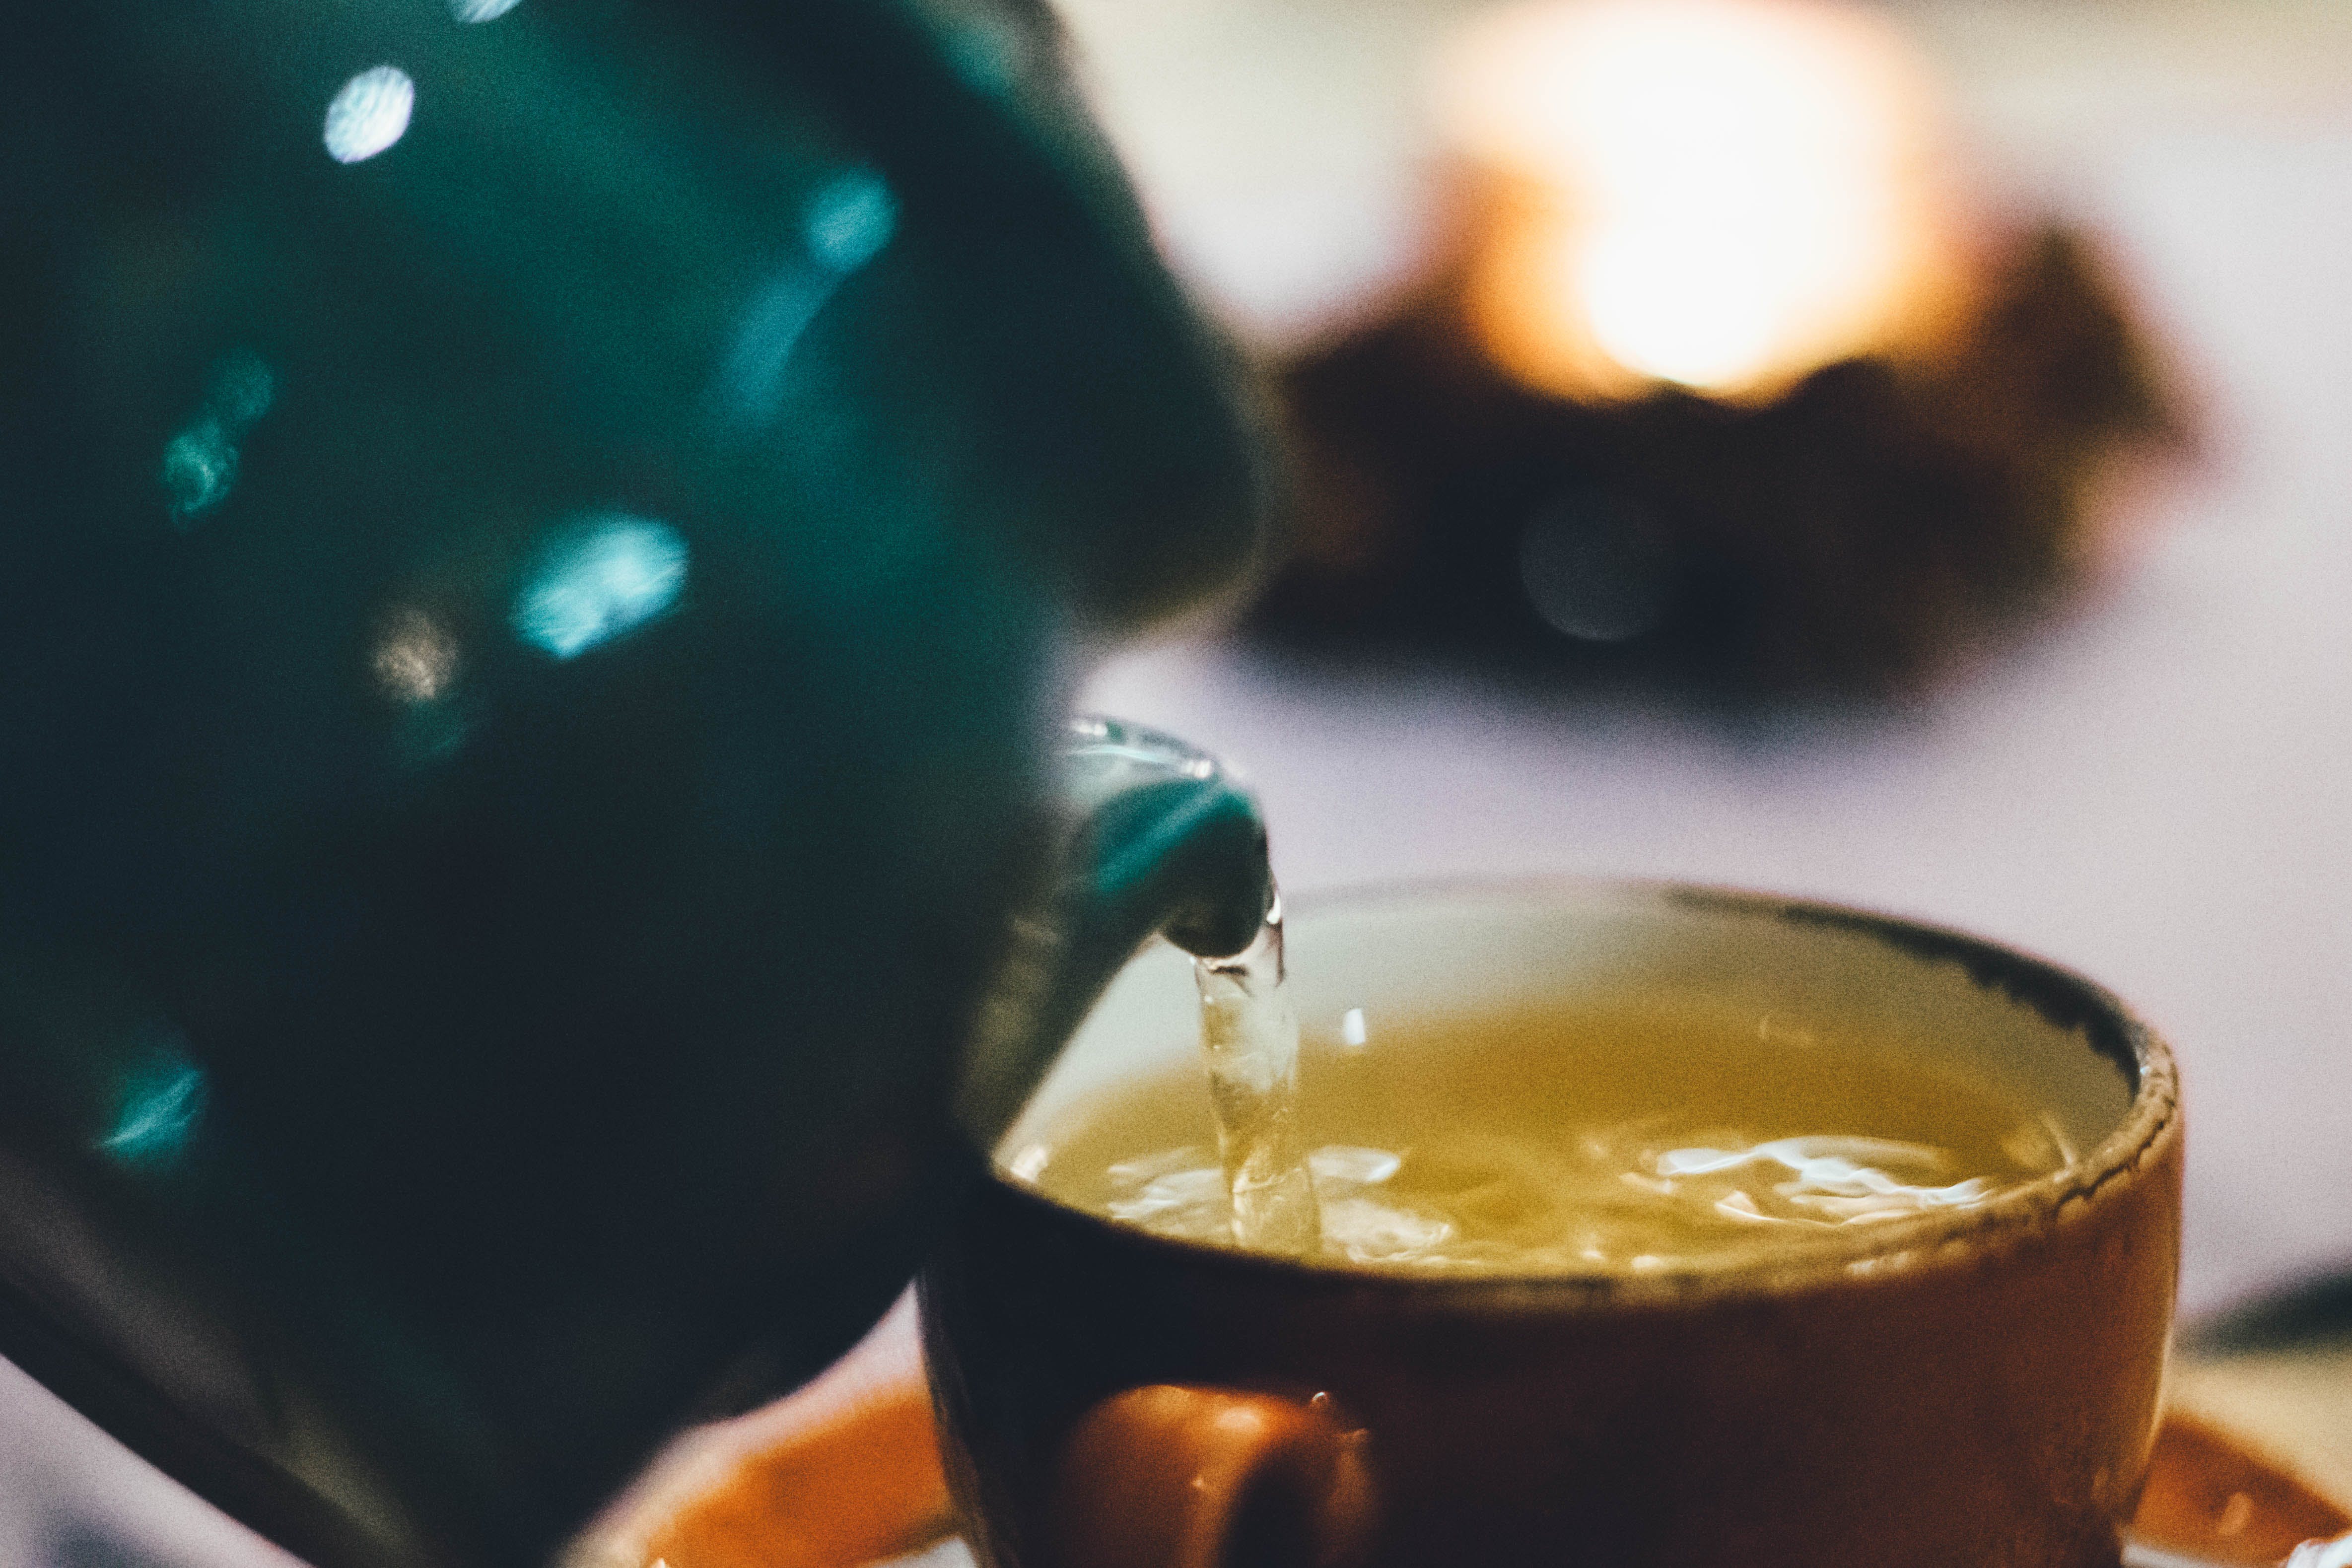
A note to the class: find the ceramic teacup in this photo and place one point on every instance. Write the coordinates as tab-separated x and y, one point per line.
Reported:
1970	1387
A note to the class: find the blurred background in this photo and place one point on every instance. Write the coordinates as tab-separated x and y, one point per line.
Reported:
1938	499
2143	775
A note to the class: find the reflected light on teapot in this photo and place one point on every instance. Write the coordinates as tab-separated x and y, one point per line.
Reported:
161	1107
598	577
1722	194
417	661
200	460
369	114
850	221
481	10
199	467
852	218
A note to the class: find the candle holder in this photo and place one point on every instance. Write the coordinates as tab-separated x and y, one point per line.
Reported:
1619	433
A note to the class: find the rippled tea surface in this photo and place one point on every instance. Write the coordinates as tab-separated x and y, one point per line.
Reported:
1634	1133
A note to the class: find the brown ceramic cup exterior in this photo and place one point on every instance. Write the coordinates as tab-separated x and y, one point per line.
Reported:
1976	1388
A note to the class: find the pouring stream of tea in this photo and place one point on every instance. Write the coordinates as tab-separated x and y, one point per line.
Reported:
1249	1031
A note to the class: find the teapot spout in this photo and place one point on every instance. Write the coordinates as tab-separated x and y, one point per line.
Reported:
1158	839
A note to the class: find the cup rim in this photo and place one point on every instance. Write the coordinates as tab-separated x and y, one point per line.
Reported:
1941	1239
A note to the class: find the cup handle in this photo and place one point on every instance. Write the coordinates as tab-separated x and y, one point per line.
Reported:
1170	1477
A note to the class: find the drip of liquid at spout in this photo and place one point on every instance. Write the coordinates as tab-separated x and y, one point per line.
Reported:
1249	1031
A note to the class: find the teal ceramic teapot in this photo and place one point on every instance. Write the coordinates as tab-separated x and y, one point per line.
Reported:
547	546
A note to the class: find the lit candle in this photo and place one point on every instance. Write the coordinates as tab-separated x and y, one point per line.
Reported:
1722	194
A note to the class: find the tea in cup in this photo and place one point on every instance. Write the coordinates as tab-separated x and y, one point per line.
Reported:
1659	1225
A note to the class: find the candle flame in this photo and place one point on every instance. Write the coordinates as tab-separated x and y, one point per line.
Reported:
1719	194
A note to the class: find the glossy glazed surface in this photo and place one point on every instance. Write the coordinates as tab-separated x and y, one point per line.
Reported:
546	544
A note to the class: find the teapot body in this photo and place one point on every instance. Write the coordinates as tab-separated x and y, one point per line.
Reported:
548	544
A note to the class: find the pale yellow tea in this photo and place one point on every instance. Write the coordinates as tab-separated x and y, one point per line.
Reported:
1632	1134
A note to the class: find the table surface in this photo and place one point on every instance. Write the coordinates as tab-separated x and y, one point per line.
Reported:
2151	790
